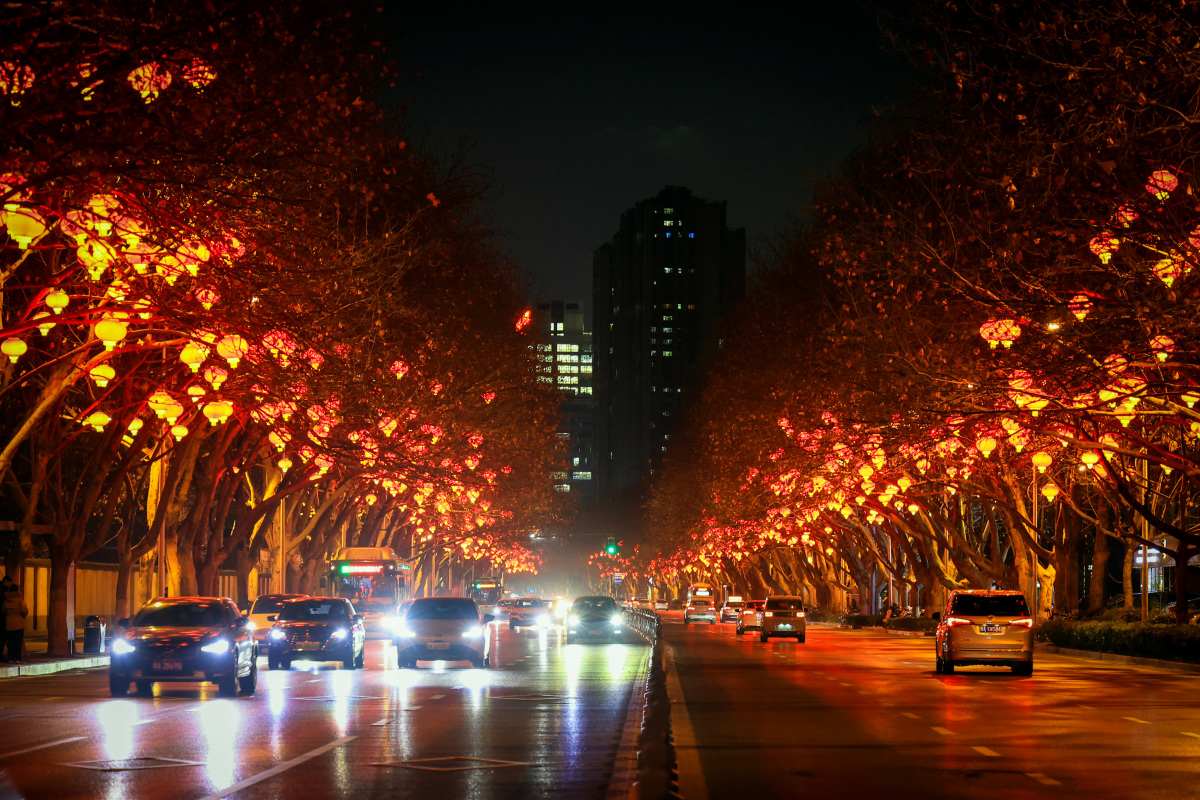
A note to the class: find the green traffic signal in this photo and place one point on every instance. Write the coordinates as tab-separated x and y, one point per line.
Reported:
611	547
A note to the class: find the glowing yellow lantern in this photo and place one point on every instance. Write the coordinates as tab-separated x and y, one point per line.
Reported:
169	268
14	348
207	297
1125	416
96	257
1042	460
1191	398
986	444
57	300
24	225
1080	306
1050	492
1161	183
285	463
195	391
193	355
1000	331
111	331
1090	459
102	374
1170	269
159	403
233	348
216	376
179	431
1104	246
97	419
217	411
149	80
135	425
1163	347
43	327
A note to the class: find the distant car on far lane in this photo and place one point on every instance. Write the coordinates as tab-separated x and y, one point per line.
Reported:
783	615
732	608
267	605
750	617
529	612
700	608
594	616
661	605
444	629
984	627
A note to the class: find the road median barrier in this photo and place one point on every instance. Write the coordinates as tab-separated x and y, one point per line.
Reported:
657	771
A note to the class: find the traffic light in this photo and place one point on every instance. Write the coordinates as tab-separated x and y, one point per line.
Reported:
611	547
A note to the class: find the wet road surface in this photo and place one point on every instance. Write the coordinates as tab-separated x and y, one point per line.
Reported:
545	721
861	714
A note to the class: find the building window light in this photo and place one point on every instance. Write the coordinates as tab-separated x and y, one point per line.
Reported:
668	234
585	390
668	330
563	487
668	353
581	476
668	211
691	236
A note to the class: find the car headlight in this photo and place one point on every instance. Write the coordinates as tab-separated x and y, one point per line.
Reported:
340	633
120	647
277	634
617	621
219	646
574	619
473	633
251	625
393	623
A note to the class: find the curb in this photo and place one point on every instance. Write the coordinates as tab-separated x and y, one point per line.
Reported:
915	634
50	667
1093	655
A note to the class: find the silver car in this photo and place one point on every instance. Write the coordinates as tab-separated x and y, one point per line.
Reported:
444	629
783	615
750	618
985	627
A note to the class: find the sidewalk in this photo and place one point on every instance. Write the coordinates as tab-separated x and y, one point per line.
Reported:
38	663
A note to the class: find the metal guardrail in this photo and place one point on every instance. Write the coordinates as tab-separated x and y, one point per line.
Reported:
657	771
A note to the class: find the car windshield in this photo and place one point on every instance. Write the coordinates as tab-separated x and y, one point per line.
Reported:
183	615
779	604
314	611
530	604
1004	605
451	608
755	604
270	605
595	604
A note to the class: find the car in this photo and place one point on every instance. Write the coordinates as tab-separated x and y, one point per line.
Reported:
984	627
661	605
529	612
185	639
641	603
782	615
317	629
264	606
505	605
594	616
750	617
732	610
700	608
444	629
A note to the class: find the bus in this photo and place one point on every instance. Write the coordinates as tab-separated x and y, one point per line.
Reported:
487	594
374	580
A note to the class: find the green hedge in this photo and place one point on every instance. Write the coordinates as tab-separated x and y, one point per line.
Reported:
823	616
863	620
911	624
1142	639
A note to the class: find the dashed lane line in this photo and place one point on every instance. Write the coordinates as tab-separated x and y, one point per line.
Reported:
436	696
943	731
39	747
285	766
1135	719
909	714
1193	735
986	751
1042	779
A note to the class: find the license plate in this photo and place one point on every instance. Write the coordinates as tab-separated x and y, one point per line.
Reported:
784	627
438	645
991	629
307	645
168	666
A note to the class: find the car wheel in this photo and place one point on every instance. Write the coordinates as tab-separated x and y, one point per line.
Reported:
487	660
348	661
1024	668
477	662
800	639
285	663
741	631
228	686
272	662
937	666
947	666
145	688
712	622
118	685
686	621
570	638
361	661
249	683
763	637
512	625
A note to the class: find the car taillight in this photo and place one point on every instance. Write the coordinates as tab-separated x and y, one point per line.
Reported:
1024	622
799	613
712	608
956	622
768	613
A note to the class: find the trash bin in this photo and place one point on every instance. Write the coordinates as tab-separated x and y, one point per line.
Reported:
93	634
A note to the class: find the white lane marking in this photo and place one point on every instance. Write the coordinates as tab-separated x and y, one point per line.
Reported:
59	697
1135	719
986	751
437	697
909	714
273	771
1042	779
314	680
943	731
1193	735
845	684
1176	691
692	784
1086	708
39	747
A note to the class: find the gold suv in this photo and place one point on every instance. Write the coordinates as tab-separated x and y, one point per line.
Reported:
985	627
782	615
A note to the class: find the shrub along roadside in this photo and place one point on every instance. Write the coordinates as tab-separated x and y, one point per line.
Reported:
1140	639
911	624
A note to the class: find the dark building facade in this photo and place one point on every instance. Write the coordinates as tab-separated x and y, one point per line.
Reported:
565	359
659	288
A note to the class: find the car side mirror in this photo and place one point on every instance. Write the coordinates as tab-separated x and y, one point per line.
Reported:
241	622
937	616
272	618
359	617
123	622
488	618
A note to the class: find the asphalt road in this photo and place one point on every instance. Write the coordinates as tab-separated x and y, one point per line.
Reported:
546	721
853	714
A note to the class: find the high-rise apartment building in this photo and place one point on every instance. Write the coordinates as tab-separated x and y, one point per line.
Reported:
659	289
565	359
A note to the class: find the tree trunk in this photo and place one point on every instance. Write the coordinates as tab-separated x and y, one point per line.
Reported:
207	578
1066	561
185	562
124	574
1182	554
1098	584
1127	573
56	618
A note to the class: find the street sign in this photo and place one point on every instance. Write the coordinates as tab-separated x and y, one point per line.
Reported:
618	577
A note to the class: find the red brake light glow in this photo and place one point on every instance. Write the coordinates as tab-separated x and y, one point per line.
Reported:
955	622
1024	622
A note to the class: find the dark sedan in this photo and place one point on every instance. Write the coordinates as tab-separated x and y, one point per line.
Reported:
185	639
594	617
317	629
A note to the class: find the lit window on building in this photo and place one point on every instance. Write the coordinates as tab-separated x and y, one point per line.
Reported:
585	390
568	369
568	380
668	222
558	476
581	476
562	348
668	211
668	353
668	330
563	487
585	359
575	461
585	370
545	379
568	359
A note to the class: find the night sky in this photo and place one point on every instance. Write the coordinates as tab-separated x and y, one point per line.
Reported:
580	112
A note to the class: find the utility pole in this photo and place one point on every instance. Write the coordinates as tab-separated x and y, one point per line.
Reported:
1145	552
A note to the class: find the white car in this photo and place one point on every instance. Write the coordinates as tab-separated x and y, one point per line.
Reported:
783	615
268	605
444	629
529	612
700	608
